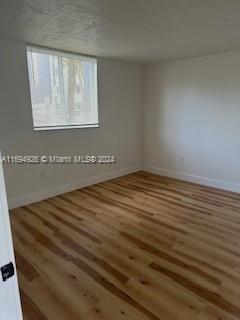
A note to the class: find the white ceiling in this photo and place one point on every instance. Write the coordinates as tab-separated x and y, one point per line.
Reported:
141	30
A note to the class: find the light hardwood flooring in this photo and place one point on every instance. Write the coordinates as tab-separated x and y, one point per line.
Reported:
138	247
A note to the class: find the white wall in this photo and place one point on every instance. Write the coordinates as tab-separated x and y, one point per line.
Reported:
191	124
192	119
120	103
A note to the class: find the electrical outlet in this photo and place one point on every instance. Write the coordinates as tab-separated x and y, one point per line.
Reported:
181	160
42	175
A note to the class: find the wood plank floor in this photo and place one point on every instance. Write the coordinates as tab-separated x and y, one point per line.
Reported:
138	247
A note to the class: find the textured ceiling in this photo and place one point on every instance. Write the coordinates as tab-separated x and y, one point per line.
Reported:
142	30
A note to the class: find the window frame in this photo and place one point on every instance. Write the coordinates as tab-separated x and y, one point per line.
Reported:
65	54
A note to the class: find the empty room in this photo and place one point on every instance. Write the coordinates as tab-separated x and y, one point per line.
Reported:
119	160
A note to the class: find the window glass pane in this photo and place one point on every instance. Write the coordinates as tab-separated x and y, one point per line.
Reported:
63	89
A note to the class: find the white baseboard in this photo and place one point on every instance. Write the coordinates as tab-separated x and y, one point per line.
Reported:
215	183
51	192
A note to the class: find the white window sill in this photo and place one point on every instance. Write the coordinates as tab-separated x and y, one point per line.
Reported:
66	127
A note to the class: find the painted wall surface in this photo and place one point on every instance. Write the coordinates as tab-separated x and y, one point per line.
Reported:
190	124
191	119
120	103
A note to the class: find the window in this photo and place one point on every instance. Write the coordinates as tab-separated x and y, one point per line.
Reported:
63	89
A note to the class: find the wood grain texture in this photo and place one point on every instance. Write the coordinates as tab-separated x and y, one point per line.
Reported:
138	247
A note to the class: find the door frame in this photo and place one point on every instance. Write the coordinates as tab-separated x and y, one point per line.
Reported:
8	251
